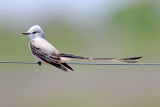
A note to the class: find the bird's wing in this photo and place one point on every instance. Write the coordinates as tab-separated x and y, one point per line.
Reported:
50	58
46	56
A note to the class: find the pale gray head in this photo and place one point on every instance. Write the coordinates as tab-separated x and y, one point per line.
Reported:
34	32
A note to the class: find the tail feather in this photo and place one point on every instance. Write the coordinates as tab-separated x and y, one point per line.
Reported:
110	59
130	58
72	56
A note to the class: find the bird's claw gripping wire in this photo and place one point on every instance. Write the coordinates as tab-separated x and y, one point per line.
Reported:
39	63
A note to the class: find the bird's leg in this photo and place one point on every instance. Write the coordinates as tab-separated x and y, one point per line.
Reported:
39	63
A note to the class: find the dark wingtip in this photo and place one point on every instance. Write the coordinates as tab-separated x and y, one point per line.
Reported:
66	65
63	69
59	66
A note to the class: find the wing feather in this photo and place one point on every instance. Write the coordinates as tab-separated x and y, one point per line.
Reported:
44	55
50	58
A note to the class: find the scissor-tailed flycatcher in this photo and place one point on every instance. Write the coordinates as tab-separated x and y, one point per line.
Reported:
47	53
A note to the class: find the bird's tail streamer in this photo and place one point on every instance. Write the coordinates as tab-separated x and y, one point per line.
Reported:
126	59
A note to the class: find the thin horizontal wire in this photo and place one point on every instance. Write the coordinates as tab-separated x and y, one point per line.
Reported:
18	62
86	63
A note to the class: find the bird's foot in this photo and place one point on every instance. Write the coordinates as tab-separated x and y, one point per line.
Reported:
39	63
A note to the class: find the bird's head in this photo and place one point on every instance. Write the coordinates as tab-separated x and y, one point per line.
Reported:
34	32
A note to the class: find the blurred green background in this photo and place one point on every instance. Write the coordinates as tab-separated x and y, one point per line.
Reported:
91	28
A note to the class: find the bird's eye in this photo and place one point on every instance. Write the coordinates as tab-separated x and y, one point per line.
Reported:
34	32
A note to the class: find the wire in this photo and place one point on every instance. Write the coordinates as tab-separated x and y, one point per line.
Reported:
85	63
19	62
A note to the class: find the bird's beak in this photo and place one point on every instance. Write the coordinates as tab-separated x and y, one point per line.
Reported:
26	33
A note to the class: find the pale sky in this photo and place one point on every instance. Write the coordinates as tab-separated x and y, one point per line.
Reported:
35	11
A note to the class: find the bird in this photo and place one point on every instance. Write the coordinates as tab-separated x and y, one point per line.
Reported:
46	53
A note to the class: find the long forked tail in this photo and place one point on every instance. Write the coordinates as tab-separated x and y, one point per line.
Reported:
127	59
